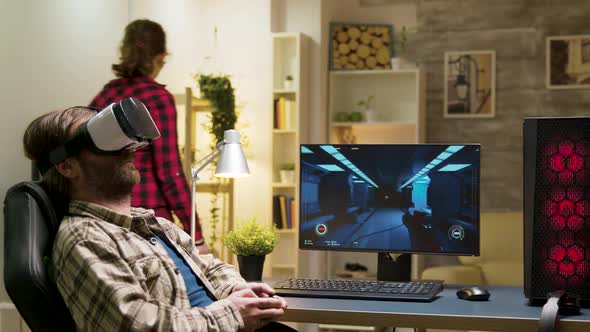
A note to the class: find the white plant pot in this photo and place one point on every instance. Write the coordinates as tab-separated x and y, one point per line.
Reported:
370	115
287	176
398	63
287	84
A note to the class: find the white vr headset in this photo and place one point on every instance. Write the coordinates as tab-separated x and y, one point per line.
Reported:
123	126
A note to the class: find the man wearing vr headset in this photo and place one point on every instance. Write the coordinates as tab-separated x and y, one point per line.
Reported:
120	268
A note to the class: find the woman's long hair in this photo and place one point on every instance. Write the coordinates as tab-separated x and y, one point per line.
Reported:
143	41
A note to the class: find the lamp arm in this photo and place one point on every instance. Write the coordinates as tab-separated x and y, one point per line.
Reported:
194	177
205	161
193	208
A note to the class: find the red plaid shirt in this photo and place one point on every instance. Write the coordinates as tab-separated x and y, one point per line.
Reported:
163	185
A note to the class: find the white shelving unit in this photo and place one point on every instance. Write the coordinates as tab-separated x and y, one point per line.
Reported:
399	100
288	60
399	112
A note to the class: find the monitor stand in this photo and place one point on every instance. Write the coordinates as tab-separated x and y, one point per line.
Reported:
390	268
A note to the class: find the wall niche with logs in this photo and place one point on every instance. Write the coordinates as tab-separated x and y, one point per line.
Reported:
358	46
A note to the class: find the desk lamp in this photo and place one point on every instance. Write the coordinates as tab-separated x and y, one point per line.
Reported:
231	164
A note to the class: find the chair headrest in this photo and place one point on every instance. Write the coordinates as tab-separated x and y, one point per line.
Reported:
52	213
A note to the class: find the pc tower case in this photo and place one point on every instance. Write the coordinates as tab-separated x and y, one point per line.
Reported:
556	206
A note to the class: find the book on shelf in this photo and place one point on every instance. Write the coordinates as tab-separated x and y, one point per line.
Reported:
288	207
283	112
294	215
283	208
289	111
276	212
276	115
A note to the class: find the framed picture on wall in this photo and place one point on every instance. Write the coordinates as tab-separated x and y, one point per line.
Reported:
470	84
358	46
568	62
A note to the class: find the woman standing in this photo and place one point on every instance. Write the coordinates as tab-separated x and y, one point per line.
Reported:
163	187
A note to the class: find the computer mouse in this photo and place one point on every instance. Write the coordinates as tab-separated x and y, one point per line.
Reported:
473	294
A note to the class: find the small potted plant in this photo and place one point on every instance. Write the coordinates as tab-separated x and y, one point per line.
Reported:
287	173
288	83
400	61
341	117
366	106
251	242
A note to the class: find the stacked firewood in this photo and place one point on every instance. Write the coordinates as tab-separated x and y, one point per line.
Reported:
360	47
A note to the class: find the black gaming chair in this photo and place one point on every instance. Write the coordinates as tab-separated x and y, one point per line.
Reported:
30	224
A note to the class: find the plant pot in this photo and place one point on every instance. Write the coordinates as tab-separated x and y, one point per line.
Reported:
398	63
370	115
287	176
287	84
251	267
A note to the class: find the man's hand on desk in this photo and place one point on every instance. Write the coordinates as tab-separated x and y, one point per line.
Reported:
257	311
259	288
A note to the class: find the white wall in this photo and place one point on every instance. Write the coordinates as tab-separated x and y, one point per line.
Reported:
54	54
399	14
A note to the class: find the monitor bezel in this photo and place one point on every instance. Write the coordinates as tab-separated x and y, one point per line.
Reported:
478	200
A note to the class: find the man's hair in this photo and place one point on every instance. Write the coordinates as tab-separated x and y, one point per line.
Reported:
143	40
48	132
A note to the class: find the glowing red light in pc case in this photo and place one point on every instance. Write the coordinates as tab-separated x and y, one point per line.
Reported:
556	206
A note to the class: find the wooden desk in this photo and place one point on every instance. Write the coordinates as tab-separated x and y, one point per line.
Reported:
506	311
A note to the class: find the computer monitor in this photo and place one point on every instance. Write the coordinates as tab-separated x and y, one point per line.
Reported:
410	198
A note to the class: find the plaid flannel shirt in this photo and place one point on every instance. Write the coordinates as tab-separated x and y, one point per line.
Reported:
114	275
163	184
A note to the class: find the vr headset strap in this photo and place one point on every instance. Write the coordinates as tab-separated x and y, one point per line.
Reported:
550	315
70	148
559	302
43	166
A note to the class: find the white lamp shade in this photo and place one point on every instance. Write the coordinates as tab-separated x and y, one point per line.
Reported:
232	162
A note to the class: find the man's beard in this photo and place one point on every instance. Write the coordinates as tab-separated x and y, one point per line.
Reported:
112	179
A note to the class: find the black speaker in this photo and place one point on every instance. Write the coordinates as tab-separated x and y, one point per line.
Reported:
556	206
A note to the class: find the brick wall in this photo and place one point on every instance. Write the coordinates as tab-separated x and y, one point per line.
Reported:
516	30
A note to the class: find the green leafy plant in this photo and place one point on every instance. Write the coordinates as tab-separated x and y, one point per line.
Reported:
366	103
287	167
252	239
220	93
403	39
341	116
218	90
355	116
289	78
402	44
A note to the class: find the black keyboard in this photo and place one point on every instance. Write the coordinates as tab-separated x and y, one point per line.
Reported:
421	291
